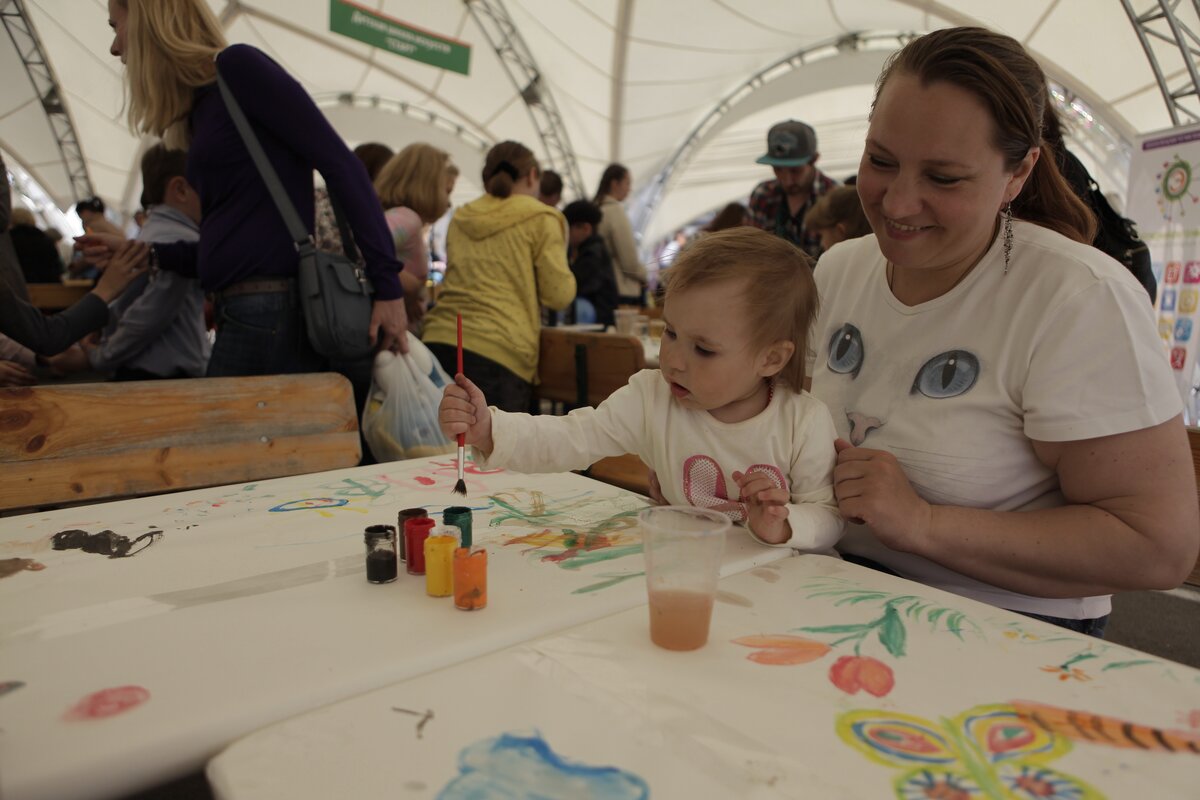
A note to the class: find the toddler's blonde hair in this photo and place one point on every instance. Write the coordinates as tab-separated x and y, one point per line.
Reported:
772	279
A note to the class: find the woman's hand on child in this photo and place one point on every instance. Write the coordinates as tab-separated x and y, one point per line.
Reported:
871	488
766	505
464	410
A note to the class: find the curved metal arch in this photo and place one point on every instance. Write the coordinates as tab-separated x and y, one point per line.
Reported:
1159	21
406	109
648	200
37	66
501	32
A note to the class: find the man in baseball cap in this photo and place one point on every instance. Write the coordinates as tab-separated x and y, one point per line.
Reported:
779	205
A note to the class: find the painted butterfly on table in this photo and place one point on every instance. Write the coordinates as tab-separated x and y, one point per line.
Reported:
986	752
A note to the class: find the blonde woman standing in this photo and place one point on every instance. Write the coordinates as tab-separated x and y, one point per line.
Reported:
506	257
245	257
414	187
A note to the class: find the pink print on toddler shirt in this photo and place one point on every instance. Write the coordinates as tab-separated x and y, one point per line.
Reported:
704	485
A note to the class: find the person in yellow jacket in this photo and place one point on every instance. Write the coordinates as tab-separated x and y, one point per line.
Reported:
506	256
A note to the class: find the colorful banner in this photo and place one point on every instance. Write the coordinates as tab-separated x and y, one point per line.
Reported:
373	28
1164	199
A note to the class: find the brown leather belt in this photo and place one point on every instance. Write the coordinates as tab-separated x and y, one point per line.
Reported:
257	286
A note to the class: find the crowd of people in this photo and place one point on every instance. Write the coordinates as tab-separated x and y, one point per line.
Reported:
979	400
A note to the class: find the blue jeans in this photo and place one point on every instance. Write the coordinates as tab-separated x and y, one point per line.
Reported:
1091	627
585	312
503	388
262	334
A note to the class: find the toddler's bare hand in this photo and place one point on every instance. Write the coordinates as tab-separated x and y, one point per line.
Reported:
766	505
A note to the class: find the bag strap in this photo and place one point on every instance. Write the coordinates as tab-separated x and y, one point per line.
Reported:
269	176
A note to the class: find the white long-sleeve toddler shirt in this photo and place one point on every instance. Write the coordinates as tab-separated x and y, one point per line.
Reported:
693	454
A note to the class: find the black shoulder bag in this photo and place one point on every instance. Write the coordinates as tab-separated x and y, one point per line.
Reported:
335	293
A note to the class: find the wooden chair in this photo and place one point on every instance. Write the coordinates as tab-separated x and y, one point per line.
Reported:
581	369
1194	440
82	442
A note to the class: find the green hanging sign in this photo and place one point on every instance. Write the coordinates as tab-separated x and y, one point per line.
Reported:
370	27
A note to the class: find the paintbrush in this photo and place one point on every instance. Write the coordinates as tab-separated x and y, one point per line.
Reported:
461	486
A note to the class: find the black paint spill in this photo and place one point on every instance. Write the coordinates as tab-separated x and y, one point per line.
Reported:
104	543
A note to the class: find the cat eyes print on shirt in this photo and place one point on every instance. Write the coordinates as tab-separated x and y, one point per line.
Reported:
947	374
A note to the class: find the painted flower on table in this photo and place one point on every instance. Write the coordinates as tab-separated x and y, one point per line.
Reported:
987	751
889	630
852	673
1066	673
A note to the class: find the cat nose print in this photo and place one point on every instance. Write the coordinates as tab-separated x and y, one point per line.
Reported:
860	426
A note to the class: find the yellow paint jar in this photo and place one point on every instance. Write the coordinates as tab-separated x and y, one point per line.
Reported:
439	561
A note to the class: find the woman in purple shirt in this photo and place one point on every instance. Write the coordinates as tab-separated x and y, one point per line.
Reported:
245	256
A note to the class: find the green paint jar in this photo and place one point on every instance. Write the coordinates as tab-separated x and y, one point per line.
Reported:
459	517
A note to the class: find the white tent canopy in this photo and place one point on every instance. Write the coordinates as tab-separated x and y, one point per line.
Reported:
659	85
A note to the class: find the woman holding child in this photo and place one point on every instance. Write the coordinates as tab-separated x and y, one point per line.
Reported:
1010	429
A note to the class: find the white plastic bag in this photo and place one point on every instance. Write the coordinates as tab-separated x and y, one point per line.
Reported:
400	418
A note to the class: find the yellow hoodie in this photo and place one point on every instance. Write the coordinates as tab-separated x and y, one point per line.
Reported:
505	259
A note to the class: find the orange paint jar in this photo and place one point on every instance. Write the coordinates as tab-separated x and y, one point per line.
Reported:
470	579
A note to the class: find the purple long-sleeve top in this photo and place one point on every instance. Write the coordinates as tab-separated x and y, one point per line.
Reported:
241	231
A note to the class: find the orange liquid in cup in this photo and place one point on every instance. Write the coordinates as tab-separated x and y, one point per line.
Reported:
679	620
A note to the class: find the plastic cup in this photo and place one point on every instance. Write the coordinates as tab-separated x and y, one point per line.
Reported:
683	547
625	320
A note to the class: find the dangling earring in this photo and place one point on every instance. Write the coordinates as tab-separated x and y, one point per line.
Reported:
1008	234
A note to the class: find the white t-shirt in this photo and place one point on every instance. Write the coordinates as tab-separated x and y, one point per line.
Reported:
693	454
1062	348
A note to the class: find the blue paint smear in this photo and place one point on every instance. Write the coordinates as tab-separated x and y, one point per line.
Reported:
518	767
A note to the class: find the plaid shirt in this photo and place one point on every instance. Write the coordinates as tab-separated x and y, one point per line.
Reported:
769	211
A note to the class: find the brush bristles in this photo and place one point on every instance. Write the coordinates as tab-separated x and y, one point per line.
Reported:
460	487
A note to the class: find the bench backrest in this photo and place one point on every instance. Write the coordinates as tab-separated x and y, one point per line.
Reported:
90	441
579	369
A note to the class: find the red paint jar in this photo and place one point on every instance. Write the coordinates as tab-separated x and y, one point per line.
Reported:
416	531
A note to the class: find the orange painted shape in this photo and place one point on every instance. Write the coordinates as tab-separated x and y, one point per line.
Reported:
783	649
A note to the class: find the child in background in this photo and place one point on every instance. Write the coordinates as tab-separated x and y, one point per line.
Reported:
837	216
724	423
595	288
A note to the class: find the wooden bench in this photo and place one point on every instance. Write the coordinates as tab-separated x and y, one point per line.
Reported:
84	442
57	296
578	369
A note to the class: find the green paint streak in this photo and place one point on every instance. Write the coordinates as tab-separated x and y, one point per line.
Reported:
613	581
1127	664
598	556
975	762
864	628
1076	659
892	633
516	513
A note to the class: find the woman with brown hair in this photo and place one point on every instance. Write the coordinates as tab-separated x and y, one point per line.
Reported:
1010	427
615	185
506	257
